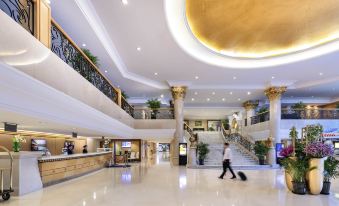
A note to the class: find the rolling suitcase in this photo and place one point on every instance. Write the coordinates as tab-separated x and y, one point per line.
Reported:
242	176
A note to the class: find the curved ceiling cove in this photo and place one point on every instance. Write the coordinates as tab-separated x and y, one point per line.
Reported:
250	34
253	29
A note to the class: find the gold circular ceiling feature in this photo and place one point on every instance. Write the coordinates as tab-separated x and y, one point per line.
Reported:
259	28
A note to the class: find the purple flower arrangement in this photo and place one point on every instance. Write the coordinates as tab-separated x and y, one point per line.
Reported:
319	150
287	151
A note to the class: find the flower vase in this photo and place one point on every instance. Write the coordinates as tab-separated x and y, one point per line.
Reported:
288	181
316	176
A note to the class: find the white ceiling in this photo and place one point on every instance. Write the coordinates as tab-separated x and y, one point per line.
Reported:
113	31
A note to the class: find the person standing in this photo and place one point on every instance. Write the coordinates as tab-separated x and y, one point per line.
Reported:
227	162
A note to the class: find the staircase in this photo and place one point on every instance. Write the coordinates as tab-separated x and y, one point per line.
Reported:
216	147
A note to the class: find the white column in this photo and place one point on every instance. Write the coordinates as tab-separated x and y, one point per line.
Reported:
250	107
178	93
274	95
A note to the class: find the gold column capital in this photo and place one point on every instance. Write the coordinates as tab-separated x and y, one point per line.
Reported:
178	92
250	104
275	92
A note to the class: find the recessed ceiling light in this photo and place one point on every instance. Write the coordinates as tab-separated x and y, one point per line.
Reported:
155	73
48	1
223	99
208	99
312	96
239	99
320	73
234	78
162	96
138	48
192	99
231	93
248	93
83	45
213	93
118	86
105	71
273	77
125	2
195	93
196	77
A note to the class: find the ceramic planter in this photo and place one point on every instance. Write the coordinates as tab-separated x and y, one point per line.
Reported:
316	176
288	181
326	188
299	188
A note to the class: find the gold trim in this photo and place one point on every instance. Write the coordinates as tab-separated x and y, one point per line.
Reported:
275	92
248	105
178	92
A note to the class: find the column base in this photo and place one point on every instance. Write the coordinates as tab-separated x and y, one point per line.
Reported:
271	157
192	157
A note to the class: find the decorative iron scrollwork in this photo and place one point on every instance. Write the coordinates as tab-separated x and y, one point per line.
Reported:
127	107
63	47
21	11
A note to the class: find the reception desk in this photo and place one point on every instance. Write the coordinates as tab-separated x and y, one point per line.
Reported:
55	169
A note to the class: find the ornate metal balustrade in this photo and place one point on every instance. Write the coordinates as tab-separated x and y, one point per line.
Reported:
162	113
127	107
64	47
310	114
262	117
237	138
21	11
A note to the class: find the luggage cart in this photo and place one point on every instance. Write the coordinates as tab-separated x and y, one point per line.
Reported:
5	193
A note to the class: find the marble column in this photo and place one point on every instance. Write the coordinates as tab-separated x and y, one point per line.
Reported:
274	96
178	93
250	107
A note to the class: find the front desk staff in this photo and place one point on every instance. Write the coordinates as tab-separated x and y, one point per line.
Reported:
69	147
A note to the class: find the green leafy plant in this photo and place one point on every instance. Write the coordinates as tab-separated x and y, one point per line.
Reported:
211	129
262	109
261	149
297	168
293	133
203	150
313	132
226	123
153	104
331	169
94	59
123	93
299	106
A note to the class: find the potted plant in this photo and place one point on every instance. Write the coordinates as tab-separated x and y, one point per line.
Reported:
203	150
261	150
94	59
331	171
287	153
124	95
154	105
299	108
317	151
298	168
17	140
313	133
226	124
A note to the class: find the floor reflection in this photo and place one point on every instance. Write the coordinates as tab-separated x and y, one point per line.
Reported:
157	182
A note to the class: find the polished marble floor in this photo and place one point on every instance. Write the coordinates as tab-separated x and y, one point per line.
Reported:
158	183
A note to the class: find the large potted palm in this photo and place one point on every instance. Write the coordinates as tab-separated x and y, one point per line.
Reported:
331	172
203	150
154	105
261	150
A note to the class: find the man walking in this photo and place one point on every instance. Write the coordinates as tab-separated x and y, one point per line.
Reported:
227	161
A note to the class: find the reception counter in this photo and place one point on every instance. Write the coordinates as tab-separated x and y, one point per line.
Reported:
55	169
31	171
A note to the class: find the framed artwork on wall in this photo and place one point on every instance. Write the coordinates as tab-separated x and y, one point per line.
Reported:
198	123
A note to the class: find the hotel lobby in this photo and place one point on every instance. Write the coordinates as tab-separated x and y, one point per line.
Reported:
148	102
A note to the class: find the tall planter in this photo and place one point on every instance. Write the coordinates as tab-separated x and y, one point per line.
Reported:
288	181
316	176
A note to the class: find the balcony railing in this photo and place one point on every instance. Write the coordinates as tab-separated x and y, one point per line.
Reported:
262	117
127	107
162	113
21	11
310	114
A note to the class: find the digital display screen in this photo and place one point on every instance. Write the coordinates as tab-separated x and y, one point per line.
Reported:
183	149
38	145
126	144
